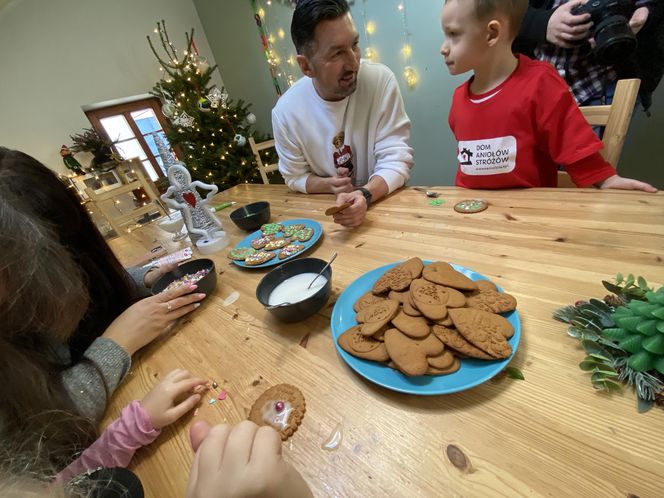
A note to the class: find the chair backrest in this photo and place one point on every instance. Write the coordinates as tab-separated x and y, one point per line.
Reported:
264	169
615	119
118	219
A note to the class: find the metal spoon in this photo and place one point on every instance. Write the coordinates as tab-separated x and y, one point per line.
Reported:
429	193
334	256
272	306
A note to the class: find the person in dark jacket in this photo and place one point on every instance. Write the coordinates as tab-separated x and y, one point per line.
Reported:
551	32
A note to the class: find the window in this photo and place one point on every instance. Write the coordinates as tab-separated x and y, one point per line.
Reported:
132	127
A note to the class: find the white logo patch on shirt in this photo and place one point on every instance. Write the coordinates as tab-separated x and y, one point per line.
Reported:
490	156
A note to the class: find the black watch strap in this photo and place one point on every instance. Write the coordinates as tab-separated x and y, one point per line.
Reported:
366	193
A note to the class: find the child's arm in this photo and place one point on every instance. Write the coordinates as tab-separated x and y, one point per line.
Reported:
138	425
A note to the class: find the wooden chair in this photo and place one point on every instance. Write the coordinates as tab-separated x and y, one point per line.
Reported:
264	169
105	201
615	119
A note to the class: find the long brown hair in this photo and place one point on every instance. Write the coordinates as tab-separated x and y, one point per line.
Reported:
59	283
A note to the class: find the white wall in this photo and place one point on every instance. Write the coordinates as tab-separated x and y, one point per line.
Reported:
58	55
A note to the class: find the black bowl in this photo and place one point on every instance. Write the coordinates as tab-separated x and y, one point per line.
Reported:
251	216
206	285
302	309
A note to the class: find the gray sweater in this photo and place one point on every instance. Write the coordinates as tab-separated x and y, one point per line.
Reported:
91	382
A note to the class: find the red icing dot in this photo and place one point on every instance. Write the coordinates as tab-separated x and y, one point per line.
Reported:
279	406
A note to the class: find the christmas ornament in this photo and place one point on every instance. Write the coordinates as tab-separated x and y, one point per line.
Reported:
204	104
240	140
184	119
204	227
72	164
202	64
214	97
251	118
169	109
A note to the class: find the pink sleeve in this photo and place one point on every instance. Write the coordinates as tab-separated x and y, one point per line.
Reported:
117	444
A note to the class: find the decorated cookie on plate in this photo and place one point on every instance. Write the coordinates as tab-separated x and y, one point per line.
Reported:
259	258
261	242
241	253
470	206
272	228
281	407
303	235
289	250
276	244
290	230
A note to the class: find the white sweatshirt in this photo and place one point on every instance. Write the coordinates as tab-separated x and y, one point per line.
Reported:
377	129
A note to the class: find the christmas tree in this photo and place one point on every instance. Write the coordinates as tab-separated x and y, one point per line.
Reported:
211	129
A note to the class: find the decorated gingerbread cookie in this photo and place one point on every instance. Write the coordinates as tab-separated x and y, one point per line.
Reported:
259	258
276	244
470	206
289	250
303	235
272	228
261	242
281	407
241	253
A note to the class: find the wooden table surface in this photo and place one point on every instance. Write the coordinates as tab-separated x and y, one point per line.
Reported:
550	435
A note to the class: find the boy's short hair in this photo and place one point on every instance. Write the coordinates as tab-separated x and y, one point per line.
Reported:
308	14
513	9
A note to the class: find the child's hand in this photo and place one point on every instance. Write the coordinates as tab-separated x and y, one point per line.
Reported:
162	404
618	182
241	461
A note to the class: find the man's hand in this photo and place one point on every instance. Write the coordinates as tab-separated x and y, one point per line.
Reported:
620	183
340	184
565	28
352	216
639	19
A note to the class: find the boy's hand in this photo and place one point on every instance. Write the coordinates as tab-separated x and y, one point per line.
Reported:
162	403
618	182
565	28
352	216
241	461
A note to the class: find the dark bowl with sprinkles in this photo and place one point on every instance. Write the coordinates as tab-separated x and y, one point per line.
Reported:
202	272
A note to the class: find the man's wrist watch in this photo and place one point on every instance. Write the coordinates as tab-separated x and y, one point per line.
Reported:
366	193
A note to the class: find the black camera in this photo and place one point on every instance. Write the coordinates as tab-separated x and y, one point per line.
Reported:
614	39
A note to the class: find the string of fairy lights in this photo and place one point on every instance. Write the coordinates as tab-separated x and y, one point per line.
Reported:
280	54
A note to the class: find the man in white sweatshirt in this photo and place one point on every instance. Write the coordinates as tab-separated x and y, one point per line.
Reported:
342	129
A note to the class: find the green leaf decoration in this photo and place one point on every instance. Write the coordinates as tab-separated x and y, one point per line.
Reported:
599	357
641	282
655	297
601	305
660	326
632	344
593	348
643	405
628	322
574	332
645	309
607	385
659	313
658	364
629	281
589	365
641	361
514	373
615	334
607	373
647	327
654	344
619	278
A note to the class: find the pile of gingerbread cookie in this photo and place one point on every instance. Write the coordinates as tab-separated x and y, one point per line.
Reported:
276	240
422	319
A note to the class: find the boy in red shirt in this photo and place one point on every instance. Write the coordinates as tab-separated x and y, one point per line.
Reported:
515	120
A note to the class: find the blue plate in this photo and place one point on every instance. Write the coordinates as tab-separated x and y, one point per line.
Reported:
246	242
471	373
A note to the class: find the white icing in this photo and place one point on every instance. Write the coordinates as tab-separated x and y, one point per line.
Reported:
275	418
294	289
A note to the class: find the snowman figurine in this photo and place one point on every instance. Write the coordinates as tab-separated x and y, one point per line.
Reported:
204	227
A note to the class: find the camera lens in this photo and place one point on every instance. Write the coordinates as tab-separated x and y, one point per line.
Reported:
614	40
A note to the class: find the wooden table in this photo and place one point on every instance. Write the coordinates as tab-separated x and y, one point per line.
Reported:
550	435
